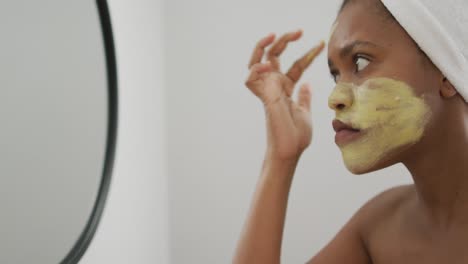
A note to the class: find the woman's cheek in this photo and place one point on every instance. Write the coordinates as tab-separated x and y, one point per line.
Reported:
389	115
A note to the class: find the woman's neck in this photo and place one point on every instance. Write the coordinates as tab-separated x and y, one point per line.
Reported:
440	173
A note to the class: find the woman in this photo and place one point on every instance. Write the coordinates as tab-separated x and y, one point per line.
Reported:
392	104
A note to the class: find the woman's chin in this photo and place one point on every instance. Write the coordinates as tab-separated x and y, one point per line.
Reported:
359	168
361	164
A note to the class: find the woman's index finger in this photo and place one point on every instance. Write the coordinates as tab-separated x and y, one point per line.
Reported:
314	53
259	50
295	73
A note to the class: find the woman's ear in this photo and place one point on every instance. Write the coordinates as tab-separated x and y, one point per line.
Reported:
446	89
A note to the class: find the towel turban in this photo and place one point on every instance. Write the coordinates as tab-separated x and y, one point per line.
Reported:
440	28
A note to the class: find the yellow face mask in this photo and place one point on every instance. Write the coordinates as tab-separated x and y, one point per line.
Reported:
388	114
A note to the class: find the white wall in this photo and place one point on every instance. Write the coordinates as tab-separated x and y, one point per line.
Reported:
196	99
134	226
216	130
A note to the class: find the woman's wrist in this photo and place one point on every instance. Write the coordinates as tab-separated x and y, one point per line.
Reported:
279	166
290	160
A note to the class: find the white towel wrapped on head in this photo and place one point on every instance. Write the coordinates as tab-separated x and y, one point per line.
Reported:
440	28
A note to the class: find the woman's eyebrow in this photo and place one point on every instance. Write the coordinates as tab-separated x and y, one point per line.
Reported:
348	49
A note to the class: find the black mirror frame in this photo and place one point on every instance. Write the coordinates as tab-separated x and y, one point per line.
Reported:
87	234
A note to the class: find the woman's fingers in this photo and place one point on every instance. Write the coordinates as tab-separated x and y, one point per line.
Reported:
255	76
257	68
295	72
280	45
260	49
305	95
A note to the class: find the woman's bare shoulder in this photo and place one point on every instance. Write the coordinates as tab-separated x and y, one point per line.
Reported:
390	198
350	245
384	207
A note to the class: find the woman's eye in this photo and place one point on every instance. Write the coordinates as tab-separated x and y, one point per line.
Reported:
361	63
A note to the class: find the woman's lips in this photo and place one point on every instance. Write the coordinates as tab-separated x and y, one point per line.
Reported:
345	133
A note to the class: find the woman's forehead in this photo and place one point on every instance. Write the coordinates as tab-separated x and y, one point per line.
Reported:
356	20
332	30
358	23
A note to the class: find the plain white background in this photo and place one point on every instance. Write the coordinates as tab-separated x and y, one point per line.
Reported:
192	137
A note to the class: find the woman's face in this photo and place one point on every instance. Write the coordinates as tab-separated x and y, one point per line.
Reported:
386	88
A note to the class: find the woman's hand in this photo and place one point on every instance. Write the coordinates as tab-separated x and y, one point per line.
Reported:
289	126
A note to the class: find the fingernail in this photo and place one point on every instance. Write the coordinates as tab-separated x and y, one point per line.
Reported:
312	54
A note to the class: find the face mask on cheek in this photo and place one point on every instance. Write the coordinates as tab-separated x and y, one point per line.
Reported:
388	114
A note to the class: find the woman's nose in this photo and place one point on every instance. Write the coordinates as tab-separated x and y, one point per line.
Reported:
341	98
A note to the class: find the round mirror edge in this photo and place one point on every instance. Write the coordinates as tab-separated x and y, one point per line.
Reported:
86	236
